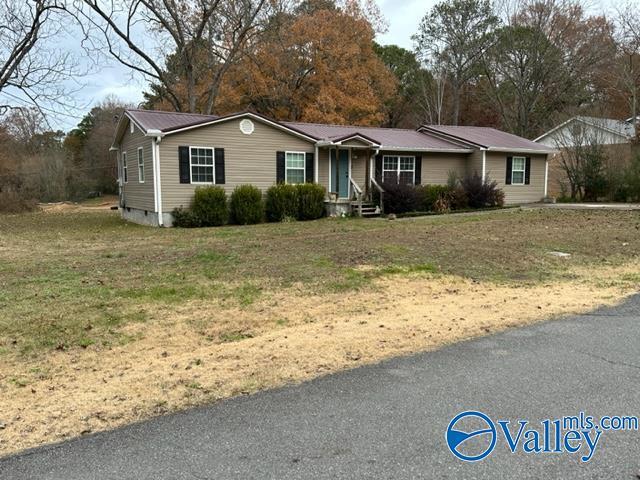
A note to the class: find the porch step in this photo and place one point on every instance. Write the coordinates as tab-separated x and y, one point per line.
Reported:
368	209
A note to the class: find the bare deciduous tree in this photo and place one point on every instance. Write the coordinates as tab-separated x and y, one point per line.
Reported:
453	37
544	61
628	71
32	69
204	37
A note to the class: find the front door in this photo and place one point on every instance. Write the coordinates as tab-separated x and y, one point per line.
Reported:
340	173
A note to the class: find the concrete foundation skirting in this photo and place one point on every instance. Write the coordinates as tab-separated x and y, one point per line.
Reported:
145	217
338	209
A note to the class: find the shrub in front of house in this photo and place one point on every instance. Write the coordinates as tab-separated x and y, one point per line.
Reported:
399	198
209	205
282	202
311	200
429	194
184	218
482	193
457	198
246	206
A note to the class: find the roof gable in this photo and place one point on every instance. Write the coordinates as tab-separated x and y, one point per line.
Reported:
620	128
487	138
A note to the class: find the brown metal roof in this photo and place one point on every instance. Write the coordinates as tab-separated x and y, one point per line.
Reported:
436	138
167	121
388	138
486	137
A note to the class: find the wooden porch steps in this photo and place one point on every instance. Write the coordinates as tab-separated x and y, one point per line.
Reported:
369	209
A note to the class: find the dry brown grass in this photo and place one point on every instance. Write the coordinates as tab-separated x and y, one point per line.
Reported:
180	358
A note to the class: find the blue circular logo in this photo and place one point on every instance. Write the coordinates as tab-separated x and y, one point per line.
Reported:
457	438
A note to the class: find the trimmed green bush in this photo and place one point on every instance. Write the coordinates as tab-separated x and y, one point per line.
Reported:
183	218
209	205
311	198
245	205
282	202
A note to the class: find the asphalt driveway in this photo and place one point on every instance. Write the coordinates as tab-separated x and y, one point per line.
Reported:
388	421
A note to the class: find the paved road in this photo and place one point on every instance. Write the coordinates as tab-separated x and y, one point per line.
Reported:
388	421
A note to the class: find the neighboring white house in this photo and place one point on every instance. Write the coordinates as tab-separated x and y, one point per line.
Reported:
616	136
608	131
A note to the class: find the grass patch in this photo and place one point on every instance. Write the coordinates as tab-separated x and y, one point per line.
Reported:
62	272
228	337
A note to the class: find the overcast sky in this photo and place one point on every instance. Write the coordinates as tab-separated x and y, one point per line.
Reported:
403	17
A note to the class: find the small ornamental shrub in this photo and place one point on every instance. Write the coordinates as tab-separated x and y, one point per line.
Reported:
245	205
311	199
482	194
184	218
458	199
400	198
209	205
282	202
428	194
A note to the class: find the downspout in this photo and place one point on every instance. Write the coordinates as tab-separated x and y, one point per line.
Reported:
316	163
159	181
156	138
546	177
484	165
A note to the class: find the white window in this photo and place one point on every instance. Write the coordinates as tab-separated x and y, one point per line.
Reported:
201	165
295	167
140	165
399	169
517	170
125	175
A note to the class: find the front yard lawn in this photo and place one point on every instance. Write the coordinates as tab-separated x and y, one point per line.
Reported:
104	322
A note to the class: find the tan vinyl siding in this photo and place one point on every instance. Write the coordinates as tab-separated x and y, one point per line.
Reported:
474	164
436	167
516	194
135	194
323	168
359	161
248	158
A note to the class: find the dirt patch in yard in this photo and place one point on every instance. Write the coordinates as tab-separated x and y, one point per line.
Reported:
201	350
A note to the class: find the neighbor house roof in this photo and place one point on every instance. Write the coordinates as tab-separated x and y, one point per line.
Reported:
622	128
387	138
487	138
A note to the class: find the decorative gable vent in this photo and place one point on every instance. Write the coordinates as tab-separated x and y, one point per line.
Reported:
246	126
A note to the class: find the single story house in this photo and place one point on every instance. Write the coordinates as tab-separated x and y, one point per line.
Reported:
164	156
617	137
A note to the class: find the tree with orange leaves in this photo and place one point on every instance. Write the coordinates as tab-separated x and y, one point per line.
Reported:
316	64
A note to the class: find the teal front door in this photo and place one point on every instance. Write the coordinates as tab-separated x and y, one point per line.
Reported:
340	173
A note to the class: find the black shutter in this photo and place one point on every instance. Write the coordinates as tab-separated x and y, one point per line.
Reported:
378	172
219	165
309	167
280	174
527	171
418	170
183	157
507	180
